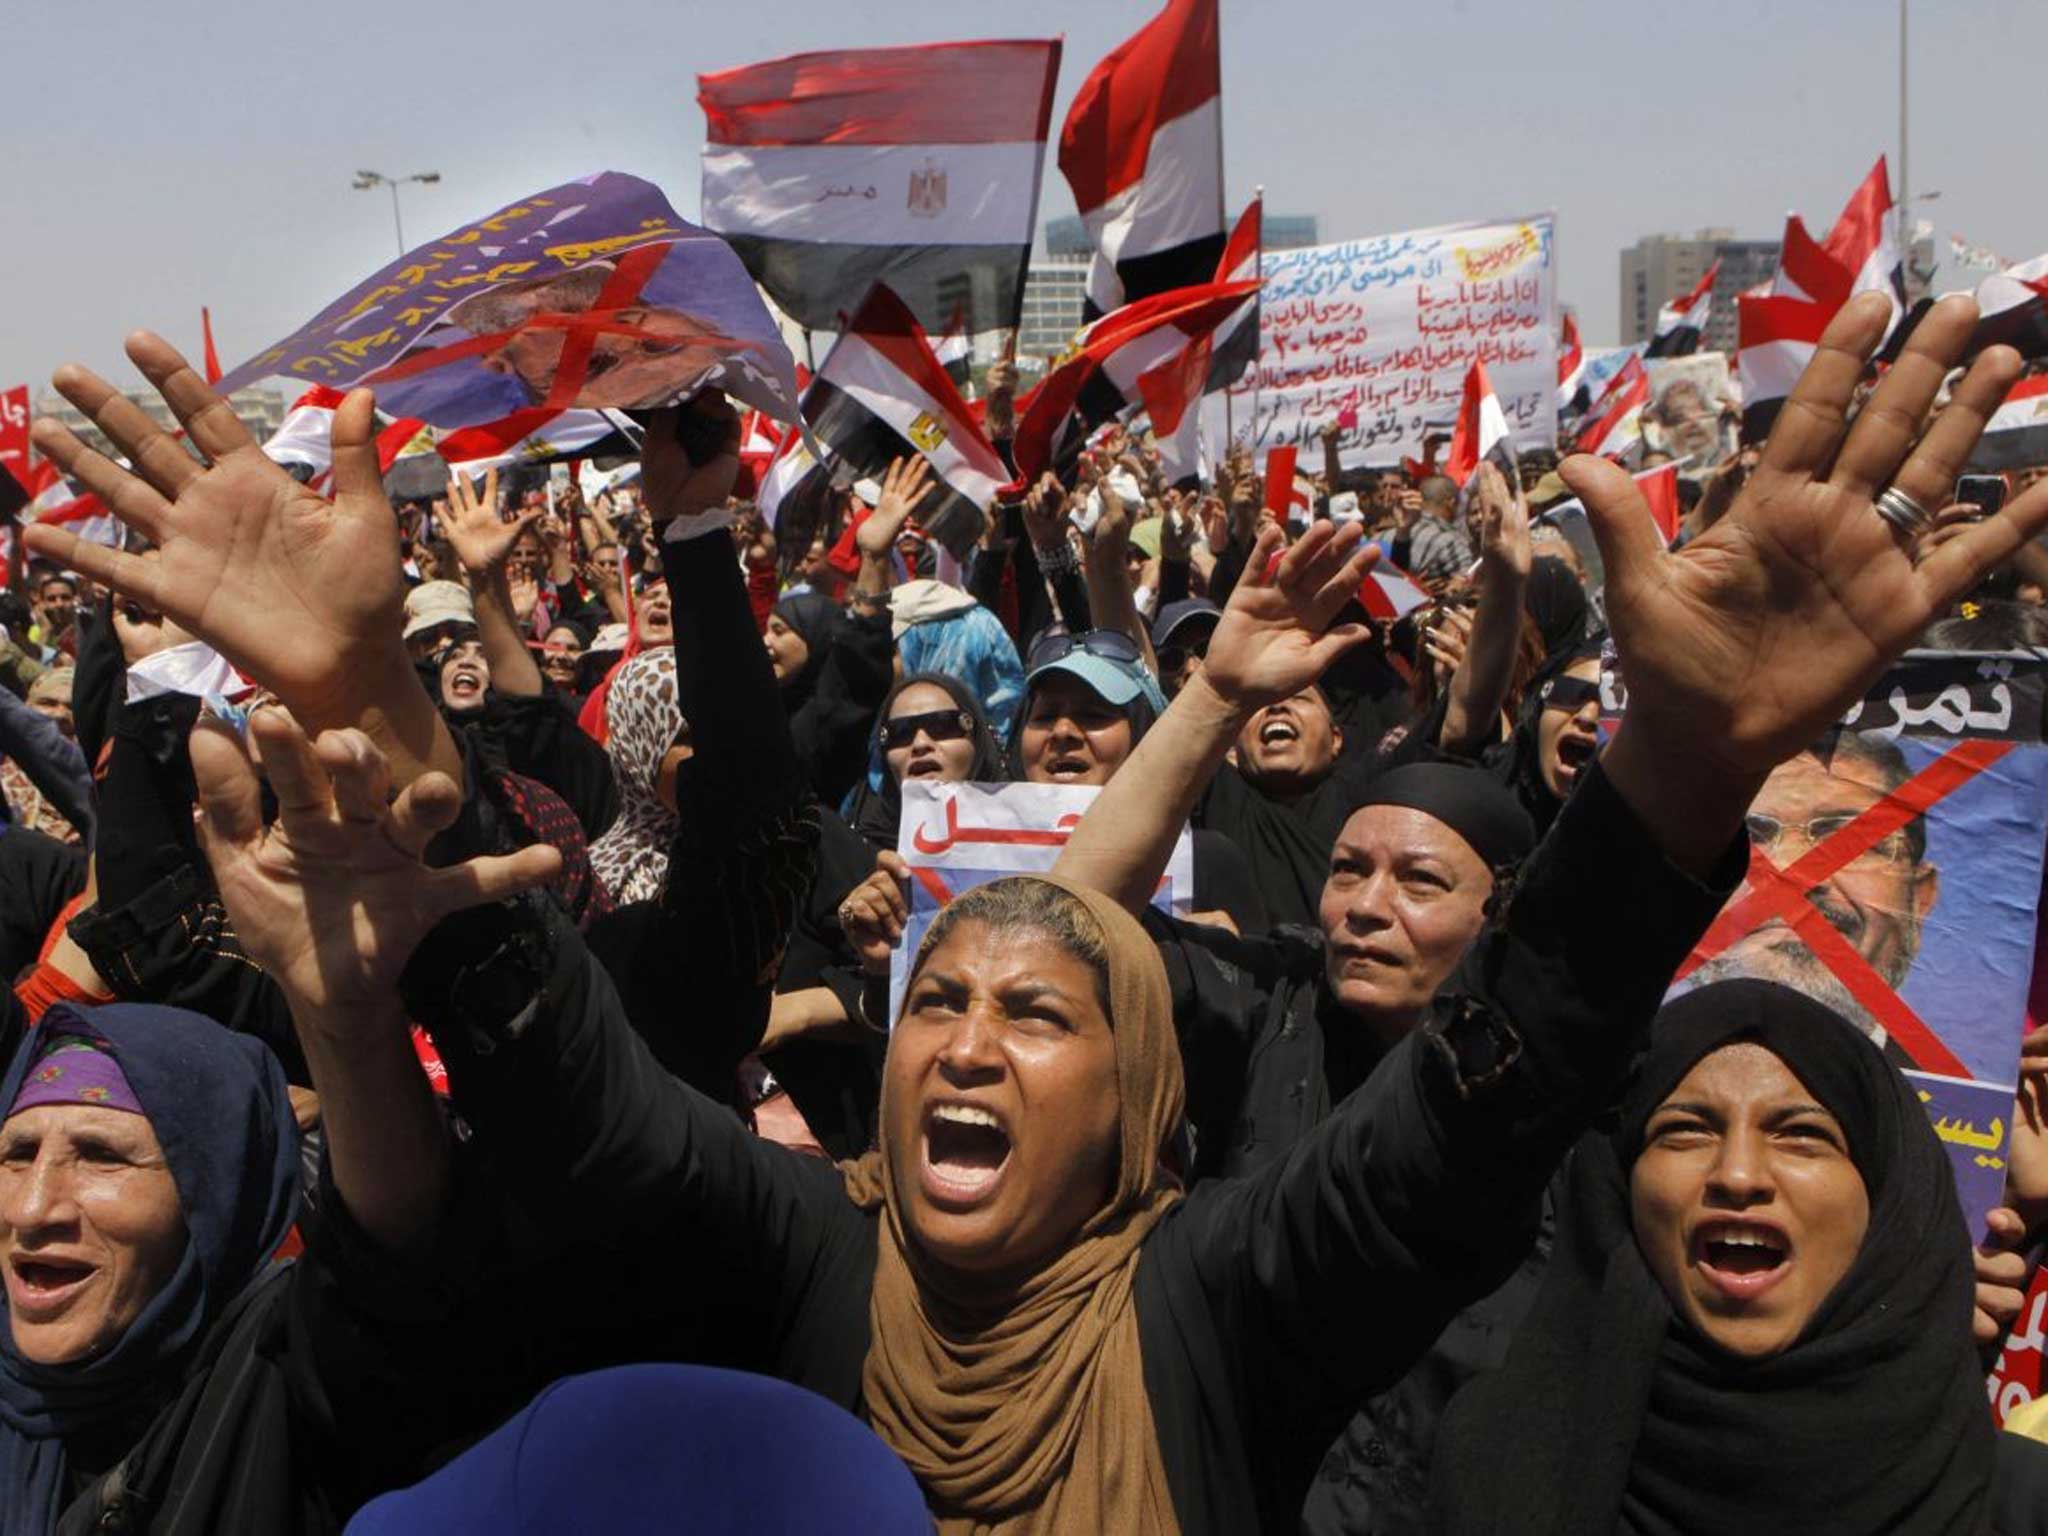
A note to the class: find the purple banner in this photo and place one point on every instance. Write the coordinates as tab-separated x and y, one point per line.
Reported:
594	295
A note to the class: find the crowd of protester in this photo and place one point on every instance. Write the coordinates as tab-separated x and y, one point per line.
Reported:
450	1078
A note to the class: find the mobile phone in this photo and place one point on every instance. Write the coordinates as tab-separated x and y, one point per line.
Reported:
1985	492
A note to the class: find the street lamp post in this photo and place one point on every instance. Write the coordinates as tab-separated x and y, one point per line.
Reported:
368	179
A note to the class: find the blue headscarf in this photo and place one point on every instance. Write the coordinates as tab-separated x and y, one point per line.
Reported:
218	1105
973	646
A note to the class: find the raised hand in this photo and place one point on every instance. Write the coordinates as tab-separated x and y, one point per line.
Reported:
331	899
1275	638
301	593
477	531
1741	647
1501	517
874	912
674	483
902	489
1044	506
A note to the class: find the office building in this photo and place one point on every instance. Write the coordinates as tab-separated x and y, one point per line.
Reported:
1660	268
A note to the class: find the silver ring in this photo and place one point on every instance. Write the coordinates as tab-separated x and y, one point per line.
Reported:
1902	512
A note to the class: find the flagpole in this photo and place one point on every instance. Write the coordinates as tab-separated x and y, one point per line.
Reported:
810	361
1258	432
1905	181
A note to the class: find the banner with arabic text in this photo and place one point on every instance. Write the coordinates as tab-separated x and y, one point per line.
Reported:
957	836
1895	875
1388	327
591	295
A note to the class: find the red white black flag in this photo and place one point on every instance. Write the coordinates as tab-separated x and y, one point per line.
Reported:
1776	337
1236	346
1143	150
1481	432
1571	366
1682	322
1136	356
881	395
1865	243
916	167
1615	423
2016	436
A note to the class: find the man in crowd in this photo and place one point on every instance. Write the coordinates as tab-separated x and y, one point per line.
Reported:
1439	548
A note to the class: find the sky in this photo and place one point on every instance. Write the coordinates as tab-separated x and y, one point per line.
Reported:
185	155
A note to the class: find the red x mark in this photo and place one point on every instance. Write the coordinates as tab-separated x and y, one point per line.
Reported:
1781	893
582	329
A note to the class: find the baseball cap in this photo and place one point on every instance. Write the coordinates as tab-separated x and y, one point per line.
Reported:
1177	613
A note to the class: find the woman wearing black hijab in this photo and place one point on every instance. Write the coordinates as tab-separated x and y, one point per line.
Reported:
832	672
878	804
1758	1310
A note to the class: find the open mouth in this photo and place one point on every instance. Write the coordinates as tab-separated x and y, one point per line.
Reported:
923	768
1741	1258
465	685
1274	732
1573	753
1068	766
966	1150
45	1286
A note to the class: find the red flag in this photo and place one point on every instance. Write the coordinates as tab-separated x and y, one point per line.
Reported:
1571	362
1660	489
1281	497
1617	416
1807	271
1862	242
212	357
14	433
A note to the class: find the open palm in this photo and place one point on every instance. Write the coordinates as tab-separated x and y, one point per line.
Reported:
292	587
1274	638
1749	641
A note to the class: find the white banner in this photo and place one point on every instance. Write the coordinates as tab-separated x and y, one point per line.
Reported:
957	836
1388	327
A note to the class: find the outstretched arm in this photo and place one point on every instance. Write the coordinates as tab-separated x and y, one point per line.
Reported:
1272	641
1479	686
331	900
301	593
482	539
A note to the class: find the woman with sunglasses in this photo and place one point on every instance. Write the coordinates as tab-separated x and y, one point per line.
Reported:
1088	701
1557	736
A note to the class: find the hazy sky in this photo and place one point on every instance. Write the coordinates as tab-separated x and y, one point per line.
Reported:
174	155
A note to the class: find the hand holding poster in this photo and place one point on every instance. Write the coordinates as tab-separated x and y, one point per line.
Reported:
593	294
1895	872
1378	335
957	836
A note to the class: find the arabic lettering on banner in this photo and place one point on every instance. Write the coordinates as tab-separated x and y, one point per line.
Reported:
1895	873
1387	329
957	836
591	295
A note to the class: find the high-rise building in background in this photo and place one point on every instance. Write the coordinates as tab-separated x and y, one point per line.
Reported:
1659	268
1057	279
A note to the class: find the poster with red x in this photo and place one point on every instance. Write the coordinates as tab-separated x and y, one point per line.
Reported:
592	295
1895	875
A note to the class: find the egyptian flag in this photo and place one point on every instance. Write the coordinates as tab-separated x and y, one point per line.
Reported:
540	436
303	442
1236	345
1136	357
1776	338
1660	489
1571	366
1864	242
1481	432
1390	593
917	167
1682	322
1290	495
1143	150
2016	437
881	395
1806	270
2012	310
1615	423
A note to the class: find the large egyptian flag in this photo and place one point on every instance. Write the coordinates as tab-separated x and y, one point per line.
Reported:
540	436
1143	150
916	167
880	395
1776	338
1682	322
303	442
1137	357
1615	423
